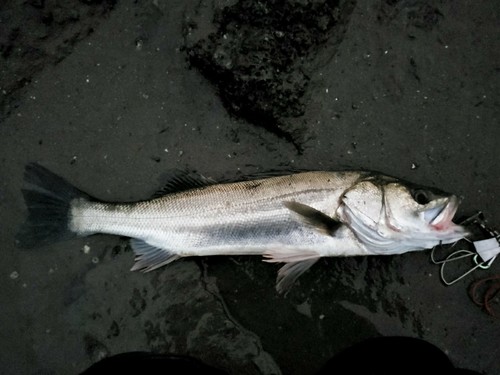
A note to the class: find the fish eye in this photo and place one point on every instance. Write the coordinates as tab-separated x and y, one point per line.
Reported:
421	196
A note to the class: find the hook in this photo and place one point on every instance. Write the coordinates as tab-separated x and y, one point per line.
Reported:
456	256
486	250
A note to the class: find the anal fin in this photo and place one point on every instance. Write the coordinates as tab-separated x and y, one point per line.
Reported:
148	257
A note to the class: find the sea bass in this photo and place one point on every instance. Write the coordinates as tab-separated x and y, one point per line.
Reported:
294	219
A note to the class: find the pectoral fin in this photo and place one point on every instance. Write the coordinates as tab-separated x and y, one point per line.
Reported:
314	218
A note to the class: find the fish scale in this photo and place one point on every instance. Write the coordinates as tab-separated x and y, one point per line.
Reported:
293	219
231	214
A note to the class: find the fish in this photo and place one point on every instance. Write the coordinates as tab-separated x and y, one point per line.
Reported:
294	219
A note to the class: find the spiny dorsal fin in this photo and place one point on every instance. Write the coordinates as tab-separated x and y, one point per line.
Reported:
179	180
314	218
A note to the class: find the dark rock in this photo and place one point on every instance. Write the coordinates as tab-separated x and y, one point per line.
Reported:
414	13
95	349
261	54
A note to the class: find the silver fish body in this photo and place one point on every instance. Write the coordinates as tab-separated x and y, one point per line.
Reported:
294	219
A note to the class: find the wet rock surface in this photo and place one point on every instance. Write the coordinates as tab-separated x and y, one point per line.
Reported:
262	54
37	33
178	312
411	90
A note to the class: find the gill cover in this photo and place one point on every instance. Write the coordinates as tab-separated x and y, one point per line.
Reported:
390	217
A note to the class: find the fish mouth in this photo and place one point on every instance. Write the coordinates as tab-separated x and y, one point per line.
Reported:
440	216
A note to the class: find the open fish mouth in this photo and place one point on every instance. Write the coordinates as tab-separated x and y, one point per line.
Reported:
440	217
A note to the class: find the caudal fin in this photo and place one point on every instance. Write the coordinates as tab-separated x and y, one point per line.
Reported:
48	198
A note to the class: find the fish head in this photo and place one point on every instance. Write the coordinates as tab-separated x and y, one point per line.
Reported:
390	216
421	209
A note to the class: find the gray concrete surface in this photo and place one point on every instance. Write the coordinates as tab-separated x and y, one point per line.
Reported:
416	100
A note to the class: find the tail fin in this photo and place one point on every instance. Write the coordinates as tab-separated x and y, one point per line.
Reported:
48	198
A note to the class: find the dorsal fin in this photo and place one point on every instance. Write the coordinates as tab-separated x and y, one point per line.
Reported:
180	180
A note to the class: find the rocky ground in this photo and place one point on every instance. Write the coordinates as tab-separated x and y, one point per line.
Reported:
112	95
